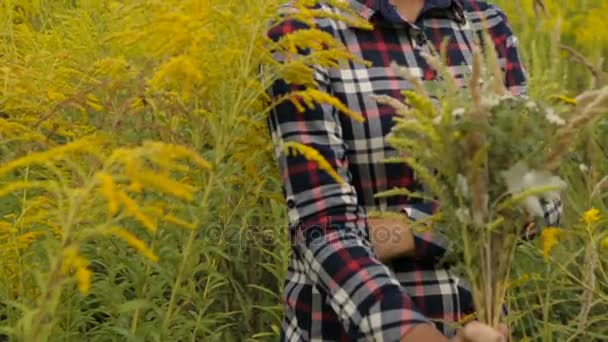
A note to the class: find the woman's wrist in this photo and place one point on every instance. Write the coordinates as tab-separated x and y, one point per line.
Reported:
424	333
391	237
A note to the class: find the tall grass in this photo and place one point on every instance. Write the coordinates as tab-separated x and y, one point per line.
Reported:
562	296
127	73
106	234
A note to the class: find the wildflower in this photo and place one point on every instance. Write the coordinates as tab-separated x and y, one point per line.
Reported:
133	209
93	102
297	72
55	96
531	105
520	281
583	168
81	145
520	178
293	148
420	102
604	243
312	96
181	71
458	112
179	222
113	67
107	188
463	215
25	240
467	318
83	279
166	185
137	103
80	266
176	151
549	237
565	99
591	216
553	118
134	242
462	185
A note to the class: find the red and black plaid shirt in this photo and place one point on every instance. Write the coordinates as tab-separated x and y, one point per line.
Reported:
336	288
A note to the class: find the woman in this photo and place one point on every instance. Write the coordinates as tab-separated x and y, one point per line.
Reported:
344	282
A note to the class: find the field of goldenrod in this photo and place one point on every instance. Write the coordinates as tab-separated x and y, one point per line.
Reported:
139	198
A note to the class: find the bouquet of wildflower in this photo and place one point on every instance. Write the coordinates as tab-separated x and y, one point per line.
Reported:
489	158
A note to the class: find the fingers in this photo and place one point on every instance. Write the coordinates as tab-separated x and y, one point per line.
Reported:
504	330
478	332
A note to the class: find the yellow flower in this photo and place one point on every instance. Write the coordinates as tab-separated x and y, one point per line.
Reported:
80	266
520	281
179	222
467	318
107	188
134	242
93	102
604	243
565	99
134	210
549	237
83	278
310	97
294	148
181	72
591	216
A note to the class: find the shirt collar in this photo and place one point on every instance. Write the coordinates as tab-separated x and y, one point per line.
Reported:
367	8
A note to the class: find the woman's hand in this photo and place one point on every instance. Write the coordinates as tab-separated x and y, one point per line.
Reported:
391	237
472	332
478	332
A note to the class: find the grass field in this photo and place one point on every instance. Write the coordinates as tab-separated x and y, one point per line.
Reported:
139	198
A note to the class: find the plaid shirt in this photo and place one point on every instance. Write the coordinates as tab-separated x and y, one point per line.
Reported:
336	289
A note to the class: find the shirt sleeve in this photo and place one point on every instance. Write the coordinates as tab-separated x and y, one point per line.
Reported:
327	225
507	47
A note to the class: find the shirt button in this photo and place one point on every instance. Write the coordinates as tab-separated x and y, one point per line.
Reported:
420	38
291	204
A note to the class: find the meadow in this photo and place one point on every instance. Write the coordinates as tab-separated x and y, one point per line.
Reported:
139	196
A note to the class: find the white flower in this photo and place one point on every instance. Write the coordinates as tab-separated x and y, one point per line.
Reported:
493	100
458	112
490	100
583	167
463	215
462	185
520	178
531	105
553	118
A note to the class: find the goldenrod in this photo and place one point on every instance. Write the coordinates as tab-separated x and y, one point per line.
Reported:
108	190
81	145
604	243
310	97
565	99
179	73
73	261
549	238
294	148
133	209
134	242
179	222
591	216
164	184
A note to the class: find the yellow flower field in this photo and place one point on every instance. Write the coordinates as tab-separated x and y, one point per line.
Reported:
139	197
